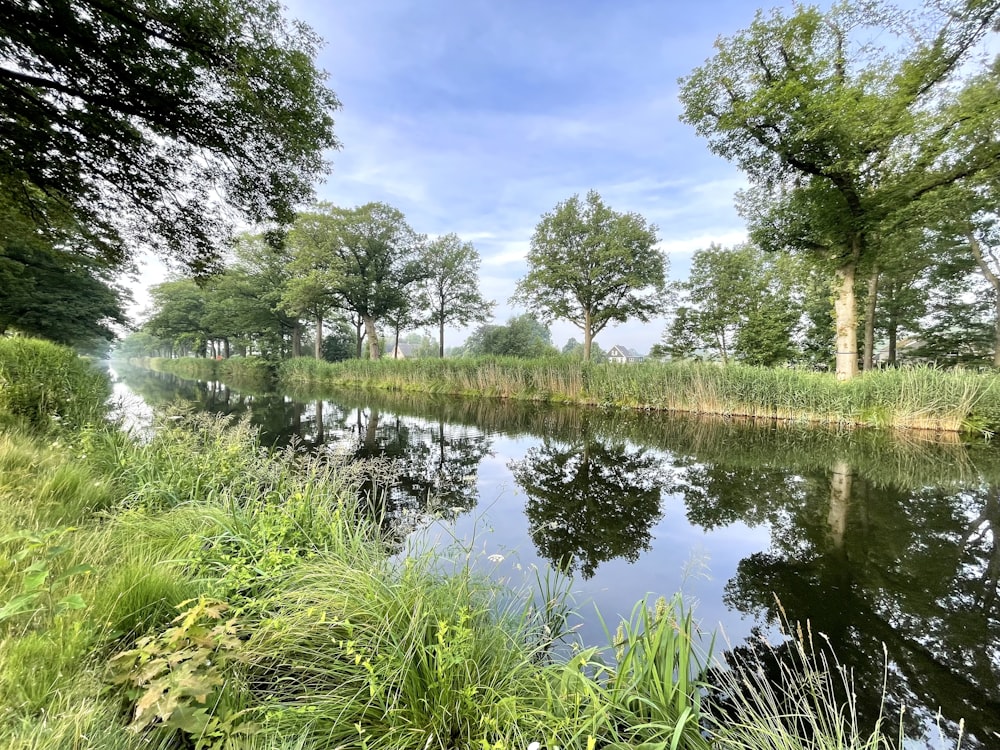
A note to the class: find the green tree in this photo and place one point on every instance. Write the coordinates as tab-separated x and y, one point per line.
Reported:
178	315
836	146
137	116
450	293
593	266
60	293
522	336
369	258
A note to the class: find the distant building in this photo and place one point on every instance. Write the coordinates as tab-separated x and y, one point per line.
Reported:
624	355
402	351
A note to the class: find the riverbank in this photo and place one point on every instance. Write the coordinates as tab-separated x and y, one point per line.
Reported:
918	399
194	589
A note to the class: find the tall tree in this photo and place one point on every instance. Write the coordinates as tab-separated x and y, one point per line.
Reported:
379	257
157	118
450	293
835	145
593	266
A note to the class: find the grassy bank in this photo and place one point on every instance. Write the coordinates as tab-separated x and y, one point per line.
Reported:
920	398
249	371
197	590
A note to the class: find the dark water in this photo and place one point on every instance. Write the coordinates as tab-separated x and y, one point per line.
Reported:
887	546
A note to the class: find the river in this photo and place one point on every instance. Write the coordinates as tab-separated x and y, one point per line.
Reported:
887	544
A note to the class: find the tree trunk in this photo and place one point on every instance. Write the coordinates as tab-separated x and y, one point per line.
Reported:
373	352
225	347
395	342
588	336
297	339
318	346
441	332
870	305
357	336
720	339
977	252
846	320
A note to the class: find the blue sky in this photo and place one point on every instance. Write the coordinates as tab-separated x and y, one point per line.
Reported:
477	117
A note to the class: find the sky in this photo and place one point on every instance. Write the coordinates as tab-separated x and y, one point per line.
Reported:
477	117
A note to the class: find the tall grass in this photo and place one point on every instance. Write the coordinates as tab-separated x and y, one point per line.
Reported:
254	372
42	384
916	398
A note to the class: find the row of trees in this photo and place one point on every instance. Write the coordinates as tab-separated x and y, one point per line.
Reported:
363	267
769	308
343	271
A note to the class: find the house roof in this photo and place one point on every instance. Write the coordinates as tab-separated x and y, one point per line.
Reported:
623	351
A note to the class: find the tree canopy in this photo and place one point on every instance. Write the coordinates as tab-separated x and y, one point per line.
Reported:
838	135
593	266
155	120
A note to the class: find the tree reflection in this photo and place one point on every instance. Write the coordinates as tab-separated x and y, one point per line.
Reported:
914	572
590	502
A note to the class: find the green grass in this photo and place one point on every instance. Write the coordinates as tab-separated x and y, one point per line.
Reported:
917	398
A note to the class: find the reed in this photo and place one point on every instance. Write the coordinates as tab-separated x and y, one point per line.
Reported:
915	398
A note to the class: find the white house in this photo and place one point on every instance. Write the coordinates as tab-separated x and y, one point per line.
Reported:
623	355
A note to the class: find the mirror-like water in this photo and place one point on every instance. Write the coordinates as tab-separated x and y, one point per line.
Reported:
873	539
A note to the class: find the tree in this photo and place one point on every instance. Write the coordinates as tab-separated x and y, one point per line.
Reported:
593	266
373	255
451	290
154	119
522	336
60	291
835	147
178	315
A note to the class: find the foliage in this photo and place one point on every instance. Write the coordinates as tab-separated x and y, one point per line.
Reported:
54	289
593	266
838	136
44	383
522	336
450	293
130	116
43	589
180	679
364	259
919	397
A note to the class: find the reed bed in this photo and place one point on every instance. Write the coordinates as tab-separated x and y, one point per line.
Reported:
915	398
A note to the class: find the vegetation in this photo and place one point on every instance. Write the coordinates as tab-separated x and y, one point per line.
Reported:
450	292
842	139
918	398
593	266
195	590
127	117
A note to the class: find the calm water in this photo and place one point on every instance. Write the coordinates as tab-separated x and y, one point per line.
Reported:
874	540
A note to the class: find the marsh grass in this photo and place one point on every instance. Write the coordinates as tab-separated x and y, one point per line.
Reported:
913	398
43	384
